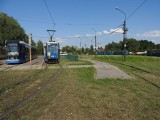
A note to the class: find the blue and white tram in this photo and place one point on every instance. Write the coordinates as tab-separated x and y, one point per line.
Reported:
52	52
18	52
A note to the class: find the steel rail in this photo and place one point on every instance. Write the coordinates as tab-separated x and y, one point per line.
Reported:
143	70
134	67
146	80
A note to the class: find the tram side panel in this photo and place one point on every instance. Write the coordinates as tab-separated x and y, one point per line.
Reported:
18	52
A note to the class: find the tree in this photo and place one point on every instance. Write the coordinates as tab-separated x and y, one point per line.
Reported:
10	30
132	45
113	46
146	45
91	52
40	47
69	49
82	50
33	43
158	46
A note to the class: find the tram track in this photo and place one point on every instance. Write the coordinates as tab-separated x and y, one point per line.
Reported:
22	81
38	90
142	70
8	67
5	67
148	81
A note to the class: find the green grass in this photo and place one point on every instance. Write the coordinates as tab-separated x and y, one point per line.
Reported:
77	95
70	62
148	63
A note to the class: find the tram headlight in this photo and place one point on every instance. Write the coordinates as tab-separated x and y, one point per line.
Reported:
49	54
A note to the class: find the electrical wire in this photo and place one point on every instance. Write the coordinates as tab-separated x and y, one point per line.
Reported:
130	15
40	37
137	9
33	21
86	24
49	12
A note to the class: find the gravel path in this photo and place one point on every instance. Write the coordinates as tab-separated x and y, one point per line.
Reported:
105	70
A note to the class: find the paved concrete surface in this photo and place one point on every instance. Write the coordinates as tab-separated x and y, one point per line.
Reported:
35	64
105	70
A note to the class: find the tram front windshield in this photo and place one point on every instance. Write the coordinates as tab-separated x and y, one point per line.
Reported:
53	48
12	47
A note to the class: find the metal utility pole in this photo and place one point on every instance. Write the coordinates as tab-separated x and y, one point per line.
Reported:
80	45
30	48
124	33
80	42
51	33
95	40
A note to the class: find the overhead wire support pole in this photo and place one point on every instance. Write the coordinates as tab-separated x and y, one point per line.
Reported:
30	48
124	34
80	42
80	46
95	40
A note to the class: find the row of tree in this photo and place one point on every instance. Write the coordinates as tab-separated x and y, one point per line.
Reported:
133	45
76	50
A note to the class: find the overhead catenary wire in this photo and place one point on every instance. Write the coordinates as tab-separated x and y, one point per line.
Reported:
35	21
137	8
40	37
49	12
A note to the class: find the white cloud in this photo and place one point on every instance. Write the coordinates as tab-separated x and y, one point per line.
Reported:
89	35
60	40
99	33
117	30
154	33
156	41
77	36
92	35
113	31
105	32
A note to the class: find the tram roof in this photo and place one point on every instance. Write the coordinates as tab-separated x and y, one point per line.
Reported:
53	42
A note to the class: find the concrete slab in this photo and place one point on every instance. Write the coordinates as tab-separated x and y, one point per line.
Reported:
105	70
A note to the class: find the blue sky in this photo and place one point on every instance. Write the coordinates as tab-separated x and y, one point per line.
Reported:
74	18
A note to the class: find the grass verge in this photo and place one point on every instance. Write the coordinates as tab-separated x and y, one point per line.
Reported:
77	95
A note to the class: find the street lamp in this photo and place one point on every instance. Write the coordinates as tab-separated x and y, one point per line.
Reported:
124	33
95	40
